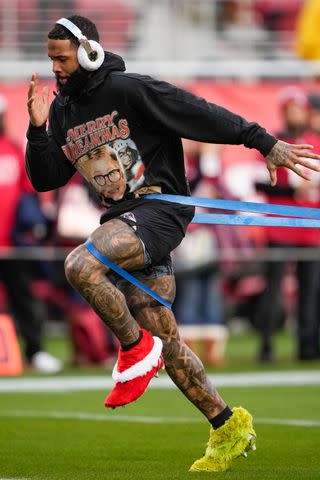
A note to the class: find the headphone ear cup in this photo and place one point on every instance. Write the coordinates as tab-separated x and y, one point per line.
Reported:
85	61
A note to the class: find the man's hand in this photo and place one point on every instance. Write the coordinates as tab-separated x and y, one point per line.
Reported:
286	155
38	103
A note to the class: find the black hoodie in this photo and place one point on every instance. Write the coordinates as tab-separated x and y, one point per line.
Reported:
135	123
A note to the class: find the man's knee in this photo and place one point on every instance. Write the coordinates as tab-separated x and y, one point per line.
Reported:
79	262
71	265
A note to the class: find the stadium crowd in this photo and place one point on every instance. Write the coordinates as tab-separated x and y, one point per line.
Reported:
213	288
249	27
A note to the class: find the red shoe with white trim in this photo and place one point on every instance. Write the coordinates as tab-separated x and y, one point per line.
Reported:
134	370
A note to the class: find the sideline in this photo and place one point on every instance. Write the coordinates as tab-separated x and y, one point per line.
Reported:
88	383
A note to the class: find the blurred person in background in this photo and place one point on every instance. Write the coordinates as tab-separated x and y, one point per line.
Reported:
291	190
314	118
97	103
199	305
239	28
22	225
278	16
78	214
313	193
307	30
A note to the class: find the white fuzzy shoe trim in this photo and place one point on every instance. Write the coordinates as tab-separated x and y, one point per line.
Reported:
140	368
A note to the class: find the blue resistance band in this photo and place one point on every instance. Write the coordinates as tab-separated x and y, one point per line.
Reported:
220	204
123	273
250	221
309	218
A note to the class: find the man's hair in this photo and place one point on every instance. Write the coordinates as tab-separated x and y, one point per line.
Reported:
88	28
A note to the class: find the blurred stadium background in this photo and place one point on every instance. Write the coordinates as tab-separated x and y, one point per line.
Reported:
250	56
257	58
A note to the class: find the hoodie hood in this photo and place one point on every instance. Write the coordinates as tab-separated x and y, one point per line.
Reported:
112	62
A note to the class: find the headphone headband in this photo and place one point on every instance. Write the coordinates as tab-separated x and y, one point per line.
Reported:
72	28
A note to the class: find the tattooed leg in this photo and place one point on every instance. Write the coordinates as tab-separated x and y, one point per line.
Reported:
182	365
118	242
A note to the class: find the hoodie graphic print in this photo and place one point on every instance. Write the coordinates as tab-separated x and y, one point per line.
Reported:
103	152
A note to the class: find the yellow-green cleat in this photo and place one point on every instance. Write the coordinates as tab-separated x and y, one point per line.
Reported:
235	438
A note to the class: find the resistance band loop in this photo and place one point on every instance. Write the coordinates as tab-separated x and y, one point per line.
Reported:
309	218
92	249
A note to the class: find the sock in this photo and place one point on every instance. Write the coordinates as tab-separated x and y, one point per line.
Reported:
125	348
221	418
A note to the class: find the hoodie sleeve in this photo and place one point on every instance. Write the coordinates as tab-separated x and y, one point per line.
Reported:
184	114
47	166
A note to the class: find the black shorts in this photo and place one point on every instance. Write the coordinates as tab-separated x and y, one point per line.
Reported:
161	227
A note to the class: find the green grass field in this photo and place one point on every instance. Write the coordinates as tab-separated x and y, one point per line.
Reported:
70	435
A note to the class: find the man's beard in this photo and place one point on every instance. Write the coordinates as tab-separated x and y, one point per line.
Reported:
75	84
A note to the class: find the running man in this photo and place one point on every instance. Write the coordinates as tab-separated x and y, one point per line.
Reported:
98	103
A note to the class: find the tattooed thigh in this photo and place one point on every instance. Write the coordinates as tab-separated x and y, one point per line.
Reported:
116	241
119	243
90	278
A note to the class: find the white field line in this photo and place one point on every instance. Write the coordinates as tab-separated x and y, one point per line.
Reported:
86	383
98	417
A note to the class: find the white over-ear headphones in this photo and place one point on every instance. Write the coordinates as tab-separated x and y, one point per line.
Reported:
90	53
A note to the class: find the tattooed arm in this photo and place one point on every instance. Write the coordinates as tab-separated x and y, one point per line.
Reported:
182	365
286	155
